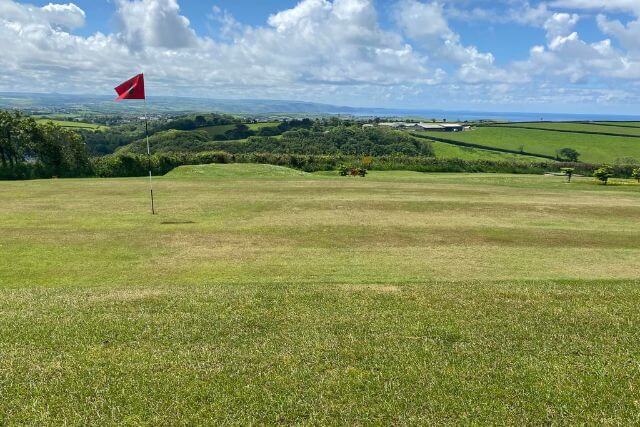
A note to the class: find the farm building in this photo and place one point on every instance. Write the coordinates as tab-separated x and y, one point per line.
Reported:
433	127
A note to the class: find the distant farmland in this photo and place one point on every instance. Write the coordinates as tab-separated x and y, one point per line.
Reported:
547	138
74	125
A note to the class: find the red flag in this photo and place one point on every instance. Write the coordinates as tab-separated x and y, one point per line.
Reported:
131	89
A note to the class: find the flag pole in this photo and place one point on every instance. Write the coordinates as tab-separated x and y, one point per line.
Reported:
146	131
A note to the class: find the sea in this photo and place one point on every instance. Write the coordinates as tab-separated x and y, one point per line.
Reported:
461	116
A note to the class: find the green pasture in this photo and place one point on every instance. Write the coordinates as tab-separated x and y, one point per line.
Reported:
261	125
635	124
214	131
593	148
260	295
73	124
449	151
611	128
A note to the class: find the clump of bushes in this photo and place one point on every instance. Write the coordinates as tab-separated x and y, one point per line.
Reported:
353	171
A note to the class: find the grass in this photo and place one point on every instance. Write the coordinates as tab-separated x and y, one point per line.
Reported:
214	131
400	298
449	151
261	125
610	128
593	148
73	124
235	171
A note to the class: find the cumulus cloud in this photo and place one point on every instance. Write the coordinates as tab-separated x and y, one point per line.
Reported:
322	50
64	16
154	23
426	24
628	35
632	6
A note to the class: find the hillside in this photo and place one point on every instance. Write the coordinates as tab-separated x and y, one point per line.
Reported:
593	147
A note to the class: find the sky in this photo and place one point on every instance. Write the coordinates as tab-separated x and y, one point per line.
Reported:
566	56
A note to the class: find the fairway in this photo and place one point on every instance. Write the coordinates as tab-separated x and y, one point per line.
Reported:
265	295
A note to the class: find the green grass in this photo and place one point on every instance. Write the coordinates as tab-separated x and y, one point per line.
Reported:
449	151
593	148
258	126
235	171
214	131
610	128
73	124
400	298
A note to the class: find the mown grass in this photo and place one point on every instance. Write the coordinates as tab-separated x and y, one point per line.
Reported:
400	298
593	148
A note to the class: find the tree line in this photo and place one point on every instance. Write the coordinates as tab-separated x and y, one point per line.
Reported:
32	150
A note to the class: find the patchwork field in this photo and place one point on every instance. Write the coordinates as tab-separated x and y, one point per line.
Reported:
594	148
611	128
264	295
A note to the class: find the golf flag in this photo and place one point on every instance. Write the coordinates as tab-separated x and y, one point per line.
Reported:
134	89
131	89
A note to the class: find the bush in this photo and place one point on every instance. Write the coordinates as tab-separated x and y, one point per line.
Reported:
604	173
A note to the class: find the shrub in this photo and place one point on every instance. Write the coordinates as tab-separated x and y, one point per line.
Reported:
604	173
636	174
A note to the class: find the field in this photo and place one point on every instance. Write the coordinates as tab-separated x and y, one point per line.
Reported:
214	131
448	151
74	125
264	295
593	148
620	129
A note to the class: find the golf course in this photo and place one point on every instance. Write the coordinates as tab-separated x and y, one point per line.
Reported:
265	295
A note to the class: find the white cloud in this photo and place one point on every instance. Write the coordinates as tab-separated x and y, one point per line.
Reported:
426	24
628	35
560	24
154	23
321	50
632	6
63	16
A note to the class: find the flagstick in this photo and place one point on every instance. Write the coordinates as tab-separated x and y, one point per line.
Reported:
146	131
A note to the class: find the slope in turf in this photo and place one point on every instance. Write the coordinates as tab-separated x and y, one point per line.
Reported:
235	170
593	148
403	299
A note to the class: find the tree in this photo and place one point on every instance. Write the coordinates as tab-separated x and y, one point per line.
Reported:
636	174
568	172
604	173
568	155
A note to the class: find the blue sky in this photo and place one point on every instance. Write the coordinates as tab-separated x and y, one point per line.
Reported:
499	55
